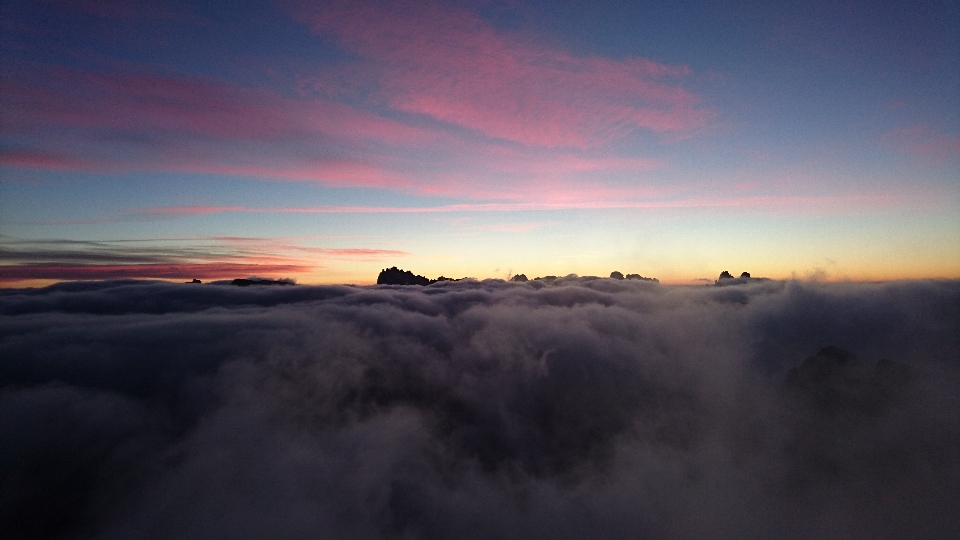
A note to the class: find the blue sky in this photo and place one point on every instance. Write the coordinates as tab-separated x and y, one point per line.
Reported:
326	141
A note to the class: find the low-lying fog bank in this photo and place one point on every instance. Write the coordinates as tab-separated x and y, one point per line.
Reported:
585	409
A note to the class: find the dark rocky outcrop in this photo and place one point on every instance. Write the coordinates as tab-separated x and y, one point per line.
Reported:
727	279
395	276
641	278
259	281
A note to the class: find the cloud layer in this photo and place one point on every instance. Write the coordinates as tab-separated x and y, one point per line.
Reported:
591	408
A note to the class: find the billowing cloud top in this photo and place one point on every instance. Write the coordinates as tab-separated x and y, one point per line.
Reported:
592	408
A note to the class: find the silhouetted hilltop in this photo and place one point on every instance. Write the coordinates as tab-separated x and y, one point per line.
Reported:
613	275
258	281
396	276
726	278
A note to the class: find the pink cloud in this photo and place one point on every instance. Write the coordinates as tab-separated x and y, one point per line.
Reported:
334	173
181	106
260	245
58	271
113	123
444	62
551	185
178	124
509	173
923	143
562	108
40	160
355	253
201	258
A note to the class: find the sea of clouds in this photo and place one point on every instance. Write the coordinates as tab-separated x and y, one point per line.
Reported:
584	409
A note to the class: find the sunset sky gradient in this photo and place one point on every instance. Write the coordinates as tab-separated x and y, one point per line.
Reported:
323	141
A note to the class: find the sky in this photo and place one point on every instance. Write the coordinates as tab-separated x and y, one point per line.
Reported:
325	141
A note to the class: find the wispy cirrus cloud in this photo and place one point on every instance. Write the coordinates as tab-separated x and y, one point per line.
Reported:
72	119
146	103
923	143
451	107
719	202
449	64
43	159
209	258
56	271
